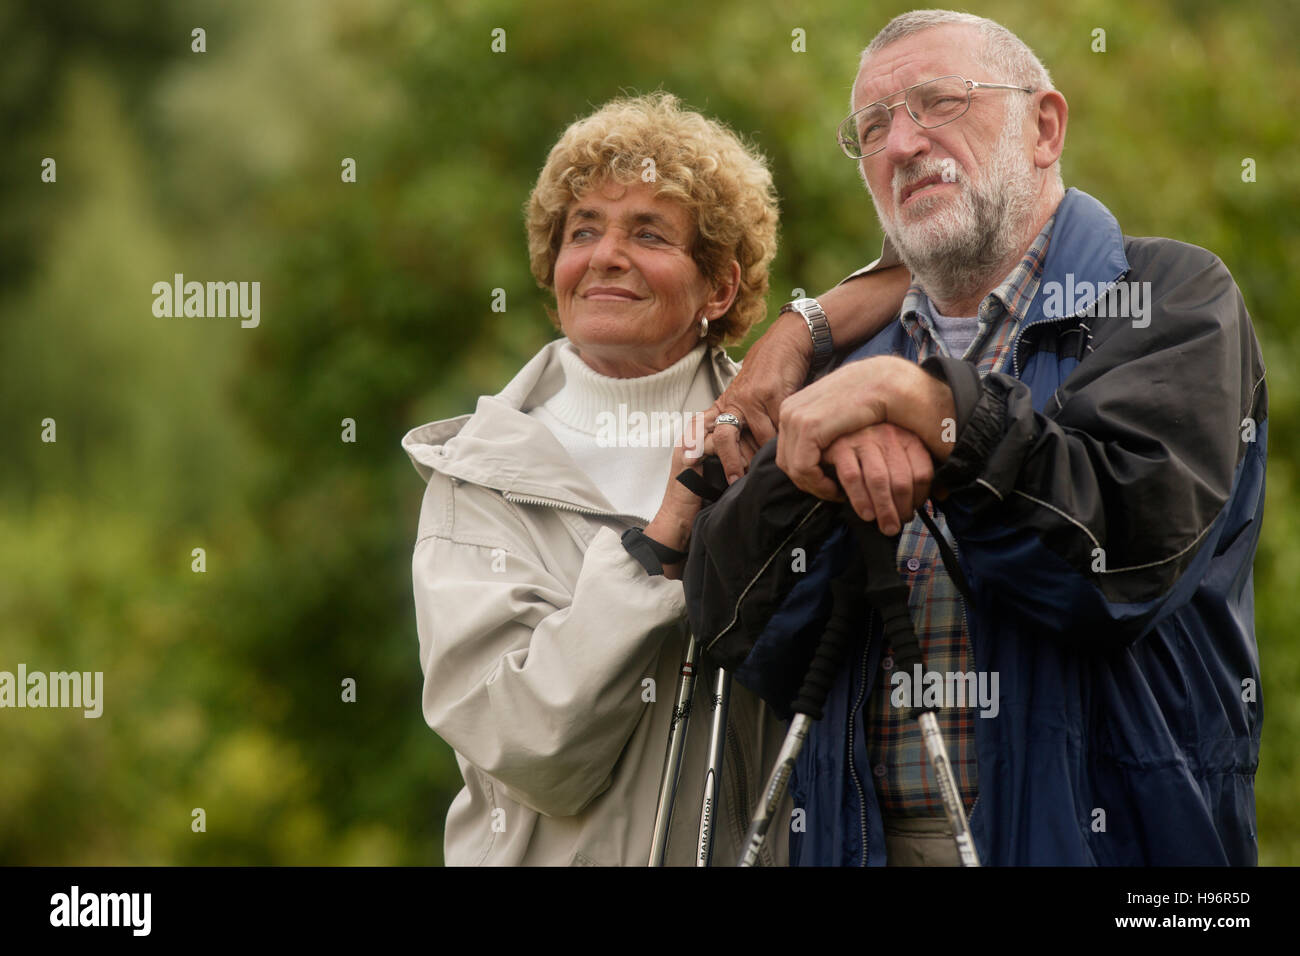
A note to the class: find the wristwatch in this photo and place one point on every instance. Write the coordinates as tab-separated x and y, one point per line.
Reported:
818	327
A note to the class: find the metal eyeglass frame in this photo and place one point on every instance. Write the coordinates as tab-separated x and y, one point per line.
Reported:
971	85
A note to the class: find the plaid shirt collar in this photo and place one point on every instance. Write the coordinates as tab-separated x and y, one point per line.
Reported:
1010	299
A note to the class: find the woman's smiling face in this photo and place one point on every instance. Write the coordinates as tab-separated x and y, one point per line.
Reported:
628	293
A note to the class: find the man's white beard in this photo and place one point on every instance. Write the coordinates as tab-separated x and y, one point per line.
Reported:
962	248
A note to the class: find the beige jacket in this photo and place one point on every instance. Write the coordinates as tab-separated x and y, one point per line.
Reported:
550	657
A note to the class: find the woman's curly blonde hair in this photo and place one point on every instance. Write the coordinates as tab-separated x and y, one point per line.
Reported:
721	181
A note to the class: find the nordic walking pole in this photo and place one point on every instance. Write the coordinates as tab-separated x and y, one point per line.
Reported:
888	593
847	614
713	776
673	758
952	804
709	488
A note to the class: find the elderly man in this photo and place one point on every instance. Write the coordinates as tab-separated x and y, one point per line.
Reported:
1093	409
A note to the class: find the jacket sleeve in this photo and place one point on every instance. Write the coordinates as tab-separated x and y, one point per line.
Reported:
887	259
535	681
1098	514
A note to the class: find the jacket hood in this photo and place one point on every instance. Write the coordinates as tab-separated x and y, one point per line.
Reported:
485	447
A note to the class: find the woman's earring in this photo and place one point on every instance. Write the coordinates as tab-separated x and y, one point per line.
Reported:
704	326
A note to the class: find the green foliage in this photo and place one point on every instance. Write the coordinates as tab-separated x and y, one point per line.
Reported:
223	688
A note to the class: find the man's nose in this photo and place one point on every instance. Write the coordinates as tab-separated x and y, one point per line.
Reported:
906	140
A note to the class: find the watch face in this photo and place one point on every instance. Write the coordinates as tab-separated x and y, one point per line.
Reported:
803	303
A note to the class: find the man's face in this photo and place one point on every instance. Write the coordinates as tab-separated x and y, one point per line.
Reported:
956	195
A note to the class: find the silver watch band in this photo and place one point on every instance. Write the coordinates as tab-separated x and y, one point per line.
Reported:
818	327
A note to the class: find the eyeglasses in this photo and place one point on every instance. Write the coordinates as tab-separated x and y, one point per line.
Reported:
932	103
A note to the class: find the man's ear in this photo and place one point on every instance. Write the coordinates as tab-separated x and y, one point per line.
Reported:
1051	117
726	290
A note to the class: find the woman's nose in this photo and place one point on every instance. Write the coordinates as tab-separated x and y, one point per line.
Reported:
610	252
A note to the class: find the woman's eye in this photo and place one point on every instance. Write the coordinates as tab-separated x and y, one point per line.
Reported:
646	234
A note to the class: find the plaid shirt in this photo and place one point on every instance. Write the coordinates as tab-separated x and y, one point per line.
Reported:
903	778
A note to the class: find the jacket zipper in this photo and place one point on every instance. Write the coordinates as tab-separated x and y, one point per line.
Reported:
971	816
857	781
566	506
1015	369
1015	348
965	620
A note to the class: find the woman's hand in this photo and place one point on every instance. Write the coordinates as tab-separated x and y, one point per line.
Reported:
671	527
775	367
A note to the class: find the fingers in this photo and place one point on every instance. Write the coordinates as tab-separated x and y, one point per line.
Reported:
775	367
729	448
696	441
899	481
911	469
735	447
843	457
762	425
813	480
837	405
885	472
922	467
799	449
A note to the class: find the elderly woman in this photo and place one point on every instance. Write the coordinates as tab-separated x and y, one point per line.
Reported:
550	648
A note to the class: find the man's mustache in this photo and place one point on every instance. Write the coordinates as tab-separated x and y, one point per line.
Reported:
911	175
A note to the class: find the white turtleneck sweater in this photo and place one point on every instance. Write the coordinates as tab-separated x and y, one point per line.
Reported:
599	422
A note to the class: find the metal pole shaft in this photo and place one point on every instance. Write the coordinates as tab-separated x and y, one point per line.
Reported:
713	776
952	804
776	787
673	759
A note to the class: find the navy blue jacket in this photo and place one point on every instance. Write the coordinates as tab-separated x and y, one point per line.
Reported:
1106	494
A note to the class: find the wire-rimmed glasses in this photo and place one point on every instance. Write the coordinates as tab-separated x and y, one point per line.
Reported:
930	104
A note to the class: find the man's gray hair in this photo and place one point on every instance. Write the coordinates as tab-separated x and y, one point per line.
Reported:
1004	53
1007	57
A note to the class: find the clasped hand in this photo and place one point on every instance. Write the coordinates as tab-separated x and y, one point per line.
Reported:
870	431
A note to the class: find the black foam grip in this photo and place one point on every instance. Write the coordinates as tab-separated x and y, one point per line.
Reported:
888	594
899	632
848	612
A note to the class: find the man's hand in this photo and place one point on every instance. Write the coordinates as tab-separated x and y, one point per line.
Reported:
884	470
852	398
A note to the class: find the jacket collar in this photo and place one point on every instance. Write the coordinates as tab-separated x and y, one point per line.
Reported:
1086	246
501	447
1084	259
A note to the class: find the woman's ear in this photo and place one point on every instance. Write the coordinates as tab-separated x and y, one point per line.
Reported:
725	292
